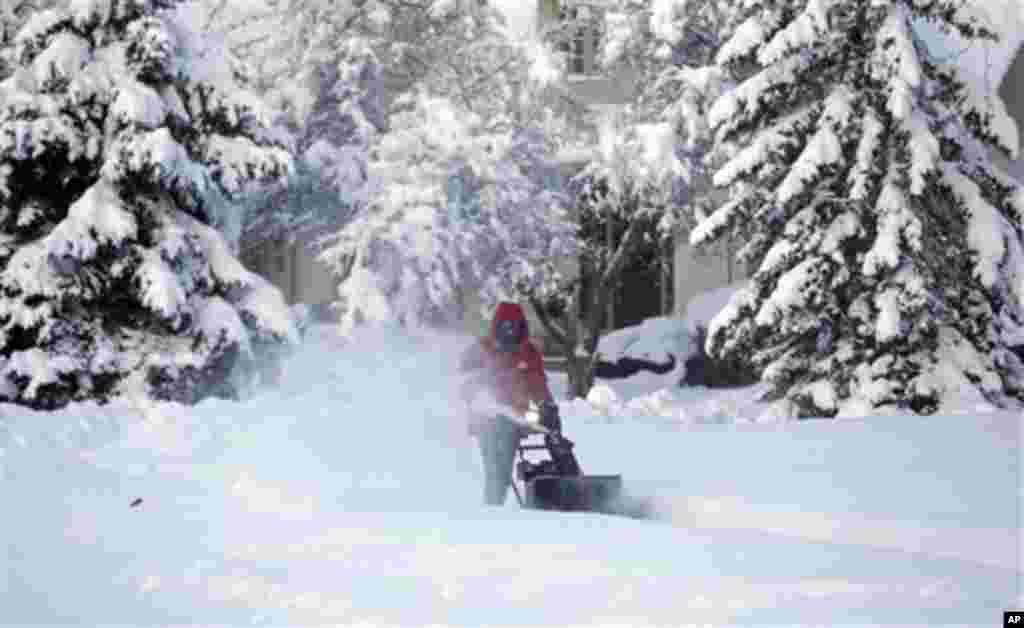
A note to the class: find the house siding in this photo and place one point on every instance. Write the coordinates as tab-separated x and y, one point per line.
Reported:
294	269
1011	90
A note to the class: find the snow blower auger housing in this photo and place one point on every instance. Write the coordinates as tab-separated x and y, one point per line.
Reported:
557	483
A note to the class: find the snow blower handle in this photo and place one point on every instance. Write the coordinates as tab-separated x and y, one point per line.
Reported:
549	417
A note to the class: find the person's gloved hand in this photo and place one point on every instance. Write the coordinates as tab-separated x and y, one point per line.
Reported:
549	416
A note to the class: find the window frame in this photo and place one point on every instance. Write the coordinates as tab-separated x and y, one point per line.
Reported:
580	36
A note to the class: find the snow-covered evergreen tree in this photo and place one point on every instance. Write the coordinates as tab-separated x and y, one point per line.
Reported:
122	145
889	247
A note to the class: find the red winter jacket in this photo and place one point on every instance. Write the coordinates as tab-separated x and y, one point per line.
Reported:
515	379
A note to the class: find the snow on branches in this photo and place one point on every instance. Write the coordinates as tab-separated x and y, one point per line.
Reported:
457	203
332	112
118	160
889	245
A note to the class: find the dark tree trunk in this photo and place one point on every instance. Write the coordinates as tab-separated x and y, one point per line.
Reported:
581	376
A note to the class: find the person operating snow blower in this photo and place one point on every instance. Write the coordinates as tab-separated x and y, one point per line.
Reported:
509	367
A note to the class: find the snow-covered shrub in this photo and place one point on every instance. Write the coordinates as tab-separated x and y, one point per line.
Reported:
603	399
656	339
122	146
655	345
889	246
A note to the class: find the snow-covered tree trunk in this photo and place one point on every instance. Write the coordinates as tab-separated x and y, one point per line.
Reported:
889	246
580	368
574	326
122	146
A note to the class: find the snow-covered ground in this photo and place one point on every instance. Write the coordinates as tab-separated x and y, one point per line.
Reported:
350	495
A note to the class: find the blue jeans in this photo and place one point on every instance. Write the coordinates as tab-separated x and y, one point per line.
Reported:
499	439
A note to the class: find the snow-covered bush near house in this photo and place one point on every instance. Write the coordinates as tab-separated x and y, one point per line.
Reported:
889	243
119	158
660	339
603	398
655	339
351	496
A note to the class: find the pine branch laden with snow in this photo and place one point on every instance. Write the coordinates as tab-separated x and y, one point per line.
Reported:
13	15
418	243
888	244
331	112
118	161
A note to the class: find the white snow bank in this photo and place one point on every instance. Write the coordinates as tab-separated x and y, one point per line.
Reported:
659	400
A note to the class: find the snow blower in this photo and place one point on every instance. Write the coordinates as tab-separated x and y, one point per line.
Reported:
558	483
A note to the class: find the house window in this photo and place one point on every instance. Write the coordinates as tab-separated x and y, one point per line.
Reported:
579	35
573	43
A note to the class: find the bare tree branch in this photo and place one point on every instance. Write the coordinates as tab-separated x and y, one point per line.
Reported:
556	332
627	245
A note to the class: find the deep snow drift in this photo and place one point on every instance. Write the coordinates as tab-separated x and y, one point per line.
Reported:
350	495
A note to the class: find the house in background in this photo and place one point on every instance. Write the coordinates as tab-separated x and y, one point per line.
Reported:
1011	90
295	270
647	290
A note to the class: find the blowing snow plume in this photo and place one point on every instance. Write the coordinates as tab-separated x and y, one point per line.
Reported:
364	427
385	407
